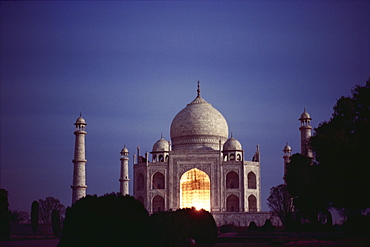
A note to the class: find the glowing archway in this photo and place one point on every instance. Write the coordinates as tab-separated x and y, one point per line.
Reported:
195	190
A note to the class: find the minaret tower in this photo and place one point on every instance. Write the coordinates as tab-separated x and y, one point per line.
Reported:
306	130
124	180
287	154
79	161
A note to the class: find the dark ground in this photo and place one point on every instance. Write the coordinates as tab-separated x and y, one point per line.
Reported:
238	240
30	243
291	239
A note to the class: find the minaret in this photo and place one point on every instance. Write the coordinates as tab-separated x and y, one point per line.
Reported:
287	154
124	180
306	130
79	161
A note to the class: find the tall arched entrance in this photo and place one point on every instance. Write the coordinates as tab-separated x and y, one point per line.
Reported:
195	190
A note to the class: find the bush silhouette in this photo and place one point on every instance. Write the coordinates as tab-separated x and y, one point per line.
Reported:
357	225
228	228
4	215
268	227
109	220
55	222
114	220
253	227
35	216
182	227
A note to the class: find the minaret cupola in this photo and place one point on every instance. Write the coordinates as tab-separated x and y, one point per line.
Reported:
306	132
80	123
305	118
287	150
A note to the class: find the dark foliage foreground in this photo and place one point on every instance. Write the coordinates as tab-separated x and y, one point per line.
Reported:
341	146
4	215
114	220
184	227
108	220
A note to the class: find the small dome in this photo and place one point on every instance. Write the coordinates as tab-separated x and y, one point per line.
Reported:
80	120
287	148
305	115
232	144
124	150
161	146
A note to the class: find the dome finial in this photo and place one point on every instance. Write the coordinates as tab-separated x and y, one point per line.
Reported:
198	90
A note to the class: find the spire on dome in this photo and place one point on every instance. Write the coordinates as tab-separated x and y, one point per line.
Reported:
198	90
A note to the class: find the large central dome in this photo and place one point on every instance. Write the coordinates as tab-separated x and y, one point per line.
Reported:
198	126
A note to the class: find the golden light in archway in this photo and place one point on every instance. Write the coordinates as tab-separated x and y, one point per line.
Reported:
195	190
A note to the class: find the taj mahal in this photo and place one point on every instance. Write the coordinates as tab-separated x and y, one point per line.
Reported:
201	167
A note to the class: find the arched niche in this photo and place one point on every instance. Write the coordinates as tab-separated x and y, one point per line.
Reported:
195	190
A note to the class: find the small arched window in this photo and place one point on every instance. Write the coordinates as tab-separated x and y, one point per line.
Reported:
158	181
154	158
238	157
232	180
232	156
252	203
232	203
158	204
252	183
140	182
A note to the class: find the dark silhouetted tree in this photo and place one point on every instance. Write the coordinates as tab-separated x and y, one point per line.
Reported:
109	220
17	216
47	206
341	146
303	184
4	215
55	222
35	209
281	204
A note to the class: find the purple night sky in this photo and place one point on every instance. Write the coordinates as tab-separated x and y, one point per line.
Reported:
130	67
